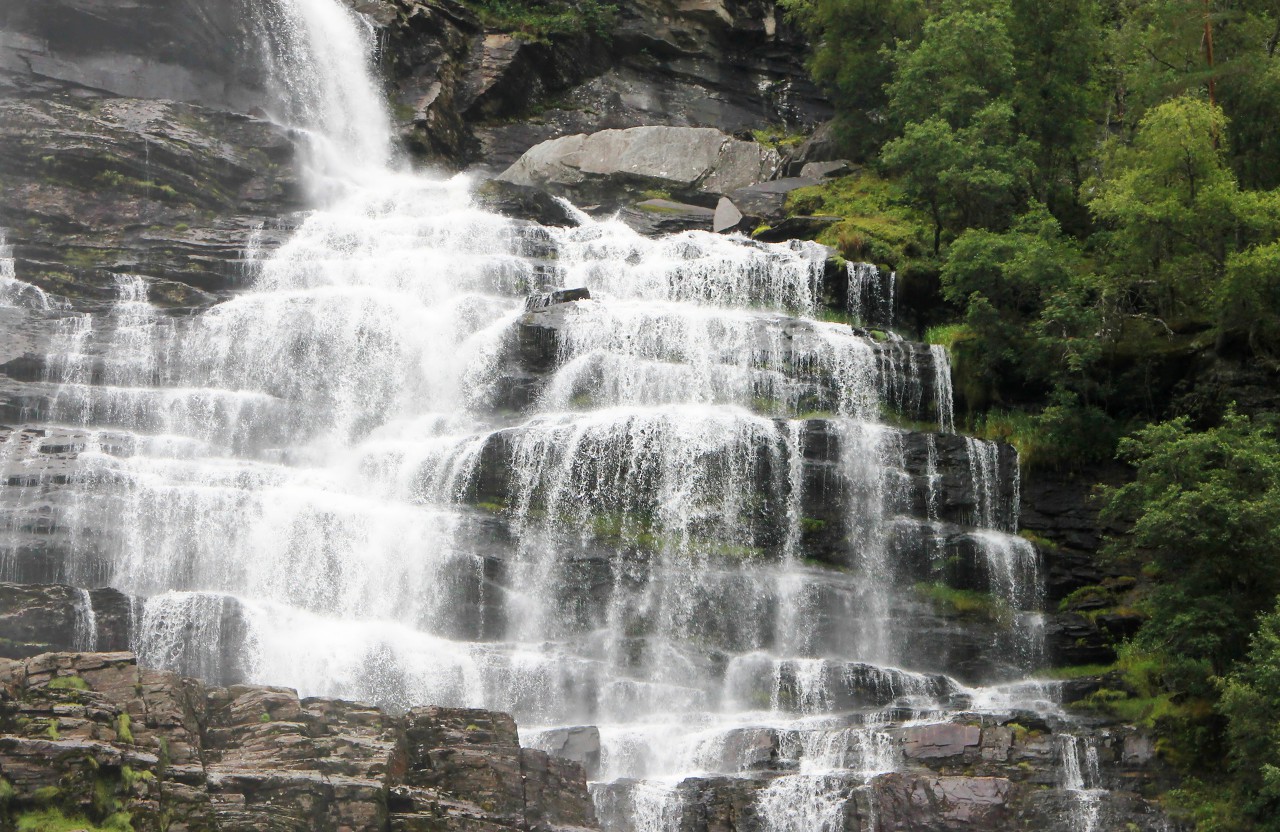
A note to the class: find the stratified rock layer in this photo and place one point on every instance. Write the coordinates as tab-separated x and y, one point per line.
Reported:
92	734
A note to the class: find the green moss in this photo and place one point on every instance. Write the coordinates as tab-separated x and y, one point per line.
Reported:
876	226
124	732
265	718
544	21
965	603
6	792
52	820
68	683
779	137
47	794
809	525
52	730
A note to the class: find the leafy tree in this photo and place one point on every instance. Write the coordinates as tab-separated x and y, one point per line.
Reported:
1205	514
852	62
973	176
1057	55
1029	304
1169	202
1251	704
961	65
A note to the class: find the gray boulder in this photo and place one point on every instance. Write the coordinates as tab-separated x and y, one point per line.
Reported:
698	164
662	216
768	200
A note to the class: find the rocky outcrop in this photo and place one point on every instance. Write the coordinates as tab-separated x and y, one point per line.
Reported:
466	93
96	187
90	735
194	50
697	164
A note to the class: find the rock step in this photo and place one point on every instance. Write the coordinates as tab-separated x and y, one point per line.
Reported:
80	727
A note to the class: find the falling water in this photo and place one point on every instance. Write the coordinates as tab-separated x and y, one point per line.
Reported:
1081	778
86	627
691	529
871	295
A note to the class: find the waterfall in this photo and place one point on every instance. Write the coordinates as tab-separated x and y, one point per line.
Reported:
676	511
86	627
1081	778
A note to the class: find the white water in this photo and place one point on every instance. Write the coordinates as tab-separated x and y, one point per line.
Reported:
291	478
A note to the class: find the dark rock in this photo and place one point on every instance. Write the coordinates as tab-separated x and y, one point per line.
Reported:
796	228
523	202
655	217
39	619
173	192
536	303
768	200
197	51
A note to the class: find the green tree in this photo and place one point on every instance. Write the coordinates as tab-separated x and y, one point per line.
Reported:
851	59
1028	296
1205	515
975	176
962	63
1251	704
1169	205
1057	54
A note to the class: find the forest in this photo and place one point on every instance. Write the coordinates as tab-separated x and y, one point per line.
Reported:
1092	186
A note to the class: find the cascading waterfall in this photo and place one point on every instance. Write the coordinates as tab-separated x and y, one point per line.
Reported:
317	483
1081	778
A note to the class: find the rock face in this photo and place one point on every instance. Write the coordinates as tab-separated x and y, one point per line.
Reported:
96	187
698	164
467	94
91	734
195	50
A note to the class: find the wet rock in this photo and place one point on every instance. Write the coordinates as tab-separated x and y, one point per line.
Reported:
39	619
172	192
655	217
84	732
698	164
796	228
581	744
523	202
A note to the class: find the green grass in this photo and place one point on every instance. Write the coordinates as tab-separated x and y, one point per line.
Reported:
68	683
541	22
948	335
965	603
51	820
1075	671
876	226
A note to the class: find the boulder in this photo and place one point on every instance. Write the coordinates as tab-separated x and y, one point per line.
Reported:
826	170
580	744
697	164
523	202
655	217
768	200
727	216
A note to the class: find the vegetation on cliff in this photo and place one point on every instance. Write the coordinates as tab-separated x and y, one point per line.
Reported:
1092	187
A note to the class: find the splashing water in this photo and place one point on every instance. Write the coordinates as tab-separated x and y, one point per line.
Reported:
689	532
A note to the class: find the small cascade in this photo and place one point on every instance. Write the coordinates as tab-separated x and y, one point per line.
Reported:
14	292
674	511
1080	776
942	391
871	295
86	626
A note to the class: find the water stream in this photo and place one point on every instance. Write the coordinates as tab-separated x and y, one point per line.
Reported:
696	528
